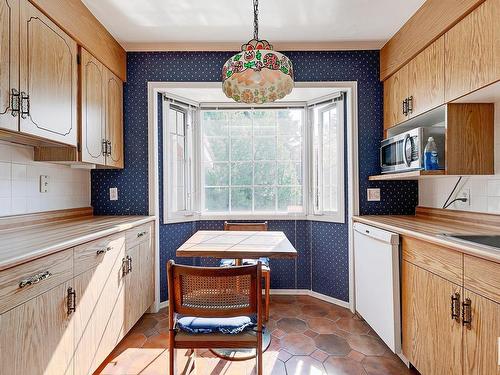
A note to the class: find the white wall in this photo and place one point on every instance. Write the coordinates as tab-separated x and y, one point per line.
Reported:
20	183
484	190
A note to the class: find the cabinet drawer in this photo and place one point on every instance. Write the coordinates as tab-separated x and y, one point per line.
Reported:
26	281
437	259
91	254
139	234
483	277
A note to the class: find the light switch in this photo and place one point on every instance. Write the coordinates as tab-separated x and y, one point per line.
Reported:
373	195
113	194
44	184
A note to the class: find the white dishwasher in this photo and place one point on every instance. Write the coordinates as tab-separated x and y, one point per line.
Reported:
376	277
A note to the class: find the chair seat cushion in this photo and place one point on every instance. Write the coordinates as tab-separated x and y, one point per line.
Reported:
246	262
230	326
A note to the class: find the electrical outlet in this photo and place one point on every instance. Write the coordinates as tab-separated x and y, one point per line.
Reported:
373	195
113	194
465	193
44	184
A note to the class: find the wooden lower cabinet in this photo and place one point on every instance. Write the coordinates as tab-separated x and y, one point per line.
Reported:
481	339
37	337
100	309
432	340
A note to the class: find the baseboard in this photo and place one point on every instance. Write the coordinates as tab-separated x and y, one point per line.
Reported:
295	292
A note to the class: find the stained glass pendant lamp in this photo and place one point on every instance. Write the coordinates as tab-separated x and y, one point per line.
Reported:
257	74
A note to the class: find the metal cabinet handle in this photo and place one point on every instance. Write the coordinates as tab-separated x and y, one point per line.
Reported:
124	266
108	147
129	264
25	105
104	147
71	300
467	313
405	107
410	105
102	251
141	234
455	306
14	102
35	279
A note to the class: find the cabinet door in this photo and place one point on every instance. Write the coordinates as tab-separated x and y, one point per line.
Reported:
48	74
133	292
426	78
93	107
114	120
469	52
395	92
146	252
432	340
9	62
37	337
481	338
100	309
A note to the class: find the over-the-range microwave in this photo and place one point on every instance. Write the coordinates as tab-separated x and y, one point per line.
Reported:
405	152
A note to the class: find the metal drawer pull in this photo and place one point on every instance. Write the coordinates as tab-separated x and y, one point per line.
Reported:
102	251
140	234
35	279
14	102
455	306
467	313
71	301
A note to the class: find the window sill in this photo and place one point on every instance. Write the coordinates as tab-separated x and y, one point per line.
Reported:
259	216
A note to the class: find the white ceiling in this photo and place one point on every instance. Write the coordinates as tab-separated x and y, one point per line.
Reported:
356	22
215	95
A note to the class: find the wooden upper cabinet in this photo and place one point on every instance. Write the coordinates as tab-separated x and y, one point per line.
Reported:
114	120
395	92
426	79
9	63
472	51
431	339
48	71
93	109
480	339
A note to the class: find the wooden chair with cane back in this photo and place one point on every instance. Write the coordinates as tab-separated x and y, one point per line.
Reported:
215	295
266	269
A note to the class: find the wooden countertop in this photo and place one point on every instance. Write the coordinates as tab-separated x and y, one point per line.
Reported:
26	243
429	227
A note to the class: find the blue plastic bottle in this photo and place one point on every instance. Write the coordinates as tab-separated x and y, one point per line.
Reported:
431	161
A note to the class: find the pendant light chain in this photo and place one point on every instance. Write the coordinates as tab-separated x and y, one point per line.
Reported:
256	19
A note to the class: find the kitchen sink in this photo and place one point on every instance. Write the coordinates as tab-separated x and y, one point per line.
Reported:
492	241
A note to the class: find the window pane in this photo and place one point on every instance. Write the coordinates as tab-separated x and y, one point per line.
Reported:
241	123
241	148
289	173
265	198
216	149
241	173
289	198
215	123
217	199
265	148
264	123
180	123
216	174
290	121
241	199
265	173
289	148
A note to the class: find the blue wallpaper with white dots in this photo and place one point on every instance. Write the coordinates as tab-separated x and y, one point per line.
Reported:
322	264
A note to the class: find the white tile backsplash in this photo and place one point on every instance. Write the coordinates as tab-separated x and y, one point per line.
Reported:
20	183
484	190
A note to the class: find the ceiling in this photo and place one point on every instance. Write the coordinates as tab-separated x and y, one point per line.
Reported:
214	93
226	24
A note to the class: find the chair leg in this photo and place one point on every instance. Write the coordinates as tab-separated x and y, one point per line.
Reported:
259	354
267	277
171	361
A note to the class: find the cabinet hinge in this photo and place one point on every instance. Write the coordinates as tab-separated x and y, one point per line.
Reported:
78	147
78	59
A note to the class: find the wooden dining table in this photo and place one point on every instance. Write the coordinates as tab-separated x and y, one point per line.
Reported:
238	245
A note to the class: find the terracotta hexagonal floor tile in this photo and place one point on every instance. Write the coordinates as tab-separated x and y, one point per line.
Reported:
278	333
314	310
332	344
304	365
298	344
367	345
357	356
353	326
158	341
290	325
321	325
385	366
336	312
284	311
319	355
343	366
